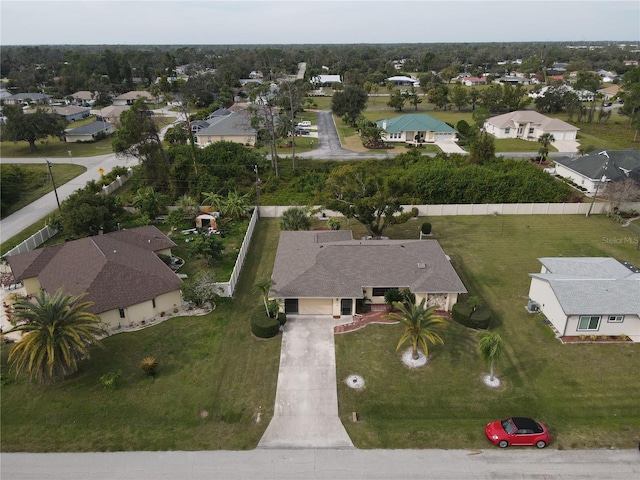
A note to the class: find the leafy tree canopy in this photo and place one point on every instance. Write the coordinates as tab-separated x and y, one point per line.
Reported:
30	127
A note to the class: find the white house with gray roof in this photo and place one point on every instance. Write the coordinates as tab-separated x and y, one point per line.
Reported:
228	127
529	125
326	272
588	296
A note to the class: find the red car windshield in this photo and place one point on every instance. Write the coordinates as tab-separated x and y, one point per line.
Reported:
508	426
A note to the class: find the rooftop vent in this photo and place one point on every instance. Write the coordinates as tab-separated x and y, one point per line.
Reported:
422	265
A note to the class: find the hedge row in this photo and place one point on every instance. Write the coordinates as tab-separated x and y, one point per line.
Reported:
480	319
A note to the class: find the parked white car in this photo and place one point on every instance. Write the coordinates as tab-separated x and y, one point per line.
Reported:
304	123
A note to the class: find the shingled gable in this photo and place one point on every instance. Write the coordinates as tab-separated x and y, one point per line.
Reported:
332	264
115	270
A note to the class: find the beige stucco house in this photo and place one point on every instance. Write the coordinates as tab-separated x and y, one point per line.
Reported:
120	273
588	296
228	127
529	125
327	272
130	98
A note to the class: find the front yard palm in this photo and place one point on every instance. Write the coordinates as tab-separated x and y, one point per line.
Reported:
420	326
57	334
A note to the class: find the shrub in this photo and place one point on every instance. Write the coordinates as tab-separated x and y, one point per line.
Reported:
263	326
415	212
464	314
149	366
282	318
392	296
426	228
109	380
334	223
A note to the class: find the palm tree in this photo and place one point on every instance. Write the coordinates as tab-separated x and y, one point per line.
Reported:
56	334
294	218
263	285
214	200
545	140
236	205
188	205
149	202
420	324
490	347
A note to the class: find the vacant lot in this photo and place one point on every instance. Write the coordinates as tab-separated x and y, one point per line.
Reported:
214	377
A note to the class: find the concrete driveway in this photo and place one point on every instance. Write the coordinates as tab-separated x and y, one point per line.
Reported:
306	407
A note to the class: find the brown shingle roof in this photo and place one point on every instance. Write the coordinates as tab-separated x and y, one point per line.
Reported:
332	264
116	270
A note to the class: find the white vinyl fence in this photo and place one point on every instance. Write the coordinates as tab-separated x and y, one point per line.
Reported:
33	241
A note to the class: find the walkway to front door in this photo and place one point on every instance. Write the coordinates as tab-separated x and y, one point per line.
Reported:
306	408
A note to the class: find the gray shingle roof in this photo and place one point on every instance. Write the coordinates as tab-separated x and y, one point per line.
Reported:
90	128
511	119
621	163
230	124
116	270
322	264
592	285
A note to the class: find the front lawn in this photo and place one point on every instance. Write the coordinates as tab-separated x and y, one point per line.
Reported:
213	380
586	394
53	147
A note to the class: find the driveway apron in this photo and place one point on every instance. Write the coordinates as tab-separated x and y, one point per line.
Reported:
306	407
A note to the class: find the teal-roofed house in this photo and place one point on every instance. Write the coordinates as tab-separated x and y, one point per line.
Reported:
416	128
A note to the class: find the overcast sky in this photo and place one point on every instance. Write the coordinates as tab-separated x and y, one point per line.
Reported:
101	22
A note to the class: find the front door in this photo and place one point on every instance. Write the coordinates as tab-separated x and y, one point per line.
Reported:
290	305
345	306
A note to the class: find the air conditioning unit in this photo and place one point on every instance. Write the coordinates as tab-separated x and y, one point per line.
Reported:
533	306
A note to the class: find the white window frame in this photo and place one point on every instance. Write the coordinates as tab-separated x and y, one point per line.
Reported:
615	319
590	318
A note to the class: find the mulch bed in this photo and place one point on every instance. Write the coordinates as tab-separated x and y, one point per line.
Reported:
599	339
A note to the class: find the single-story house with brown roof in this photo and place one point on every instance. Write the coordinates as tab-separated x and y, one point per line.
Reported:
327	272
111	113
120	273
529	125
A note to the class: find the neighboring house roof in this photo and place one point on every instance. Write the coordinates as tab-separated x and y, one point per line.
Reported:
414	122
326	79
401	78
90	128
221	112
115	270
69	110
32	96
134	95
592	285
610	90
322	264
620	165
232	124
84	95
112	111
529	116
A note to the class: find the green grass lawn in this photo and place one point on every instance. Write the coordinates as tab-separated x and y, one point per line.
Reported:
41	185
586	394
53	147
213	379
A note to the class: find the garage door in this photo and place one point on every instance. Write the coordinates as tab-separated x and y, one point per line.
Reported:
315	306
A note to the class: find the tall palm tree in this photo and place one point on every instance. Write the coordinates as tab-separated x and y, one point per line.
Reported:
188	205
150	202
263	285
56	334
420	325
490	347
214	200
545	140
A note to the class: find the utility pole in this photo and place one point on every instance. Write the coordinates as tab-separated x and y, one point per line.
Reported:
255	169
55	190
600	180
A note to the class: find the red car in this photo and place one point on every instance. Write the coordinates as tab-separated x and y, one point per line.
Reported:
517	431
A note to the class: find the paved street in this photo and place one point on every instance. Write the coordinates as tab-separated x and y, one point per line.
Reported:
329	464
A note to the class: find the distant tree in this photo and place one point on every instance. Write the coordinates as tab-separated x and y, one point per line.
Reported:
448	73
545	140
397	99
139	136
31	127
85	213
209	247
361	192
295	218
56	335
622	192
414	98
439	96
482	149
370	133
235	206
474	97
149	202
176	135
459	96
349	103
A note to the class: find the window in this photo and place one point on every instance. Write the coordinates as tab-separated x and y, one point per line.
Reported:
507	130
589	323
153	302
616	318
380	291
531	131
121	310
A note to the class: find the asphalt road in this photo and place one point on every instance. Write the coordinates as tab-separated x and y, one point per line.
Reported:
329	464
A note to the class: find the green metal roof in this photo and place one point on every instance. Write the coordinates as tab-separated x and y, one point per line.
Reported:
415	122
